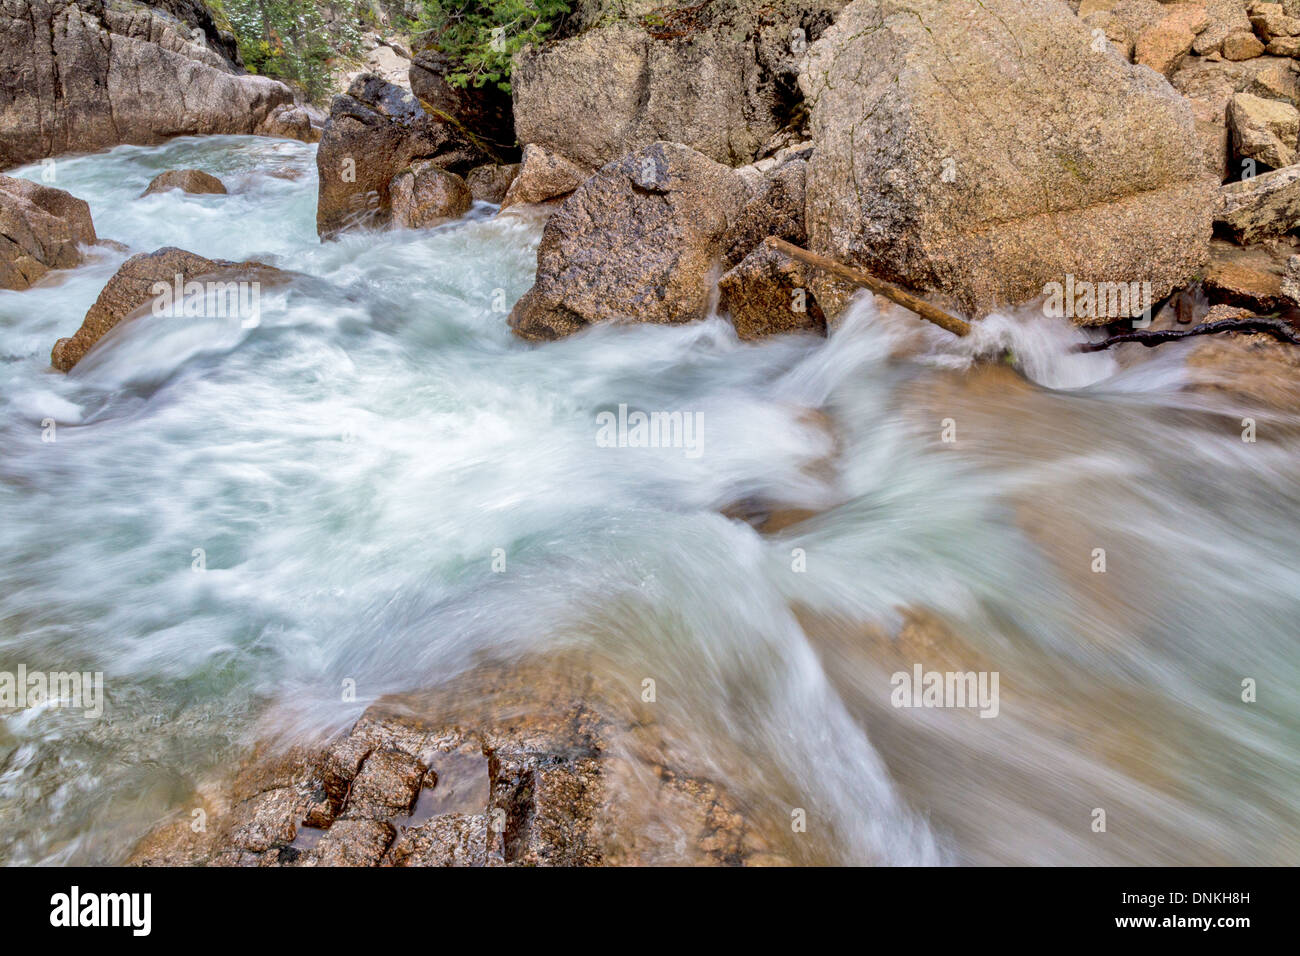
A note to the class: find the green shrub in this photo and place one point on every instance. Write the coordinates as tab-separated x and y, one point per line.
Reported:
288	39
481	36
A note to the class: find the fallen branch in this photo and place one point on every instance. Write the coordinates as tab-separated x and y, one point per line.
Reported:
1282	331
880	287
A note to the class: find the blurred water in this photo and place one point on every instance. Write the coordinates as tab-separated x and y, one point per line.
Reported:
350	467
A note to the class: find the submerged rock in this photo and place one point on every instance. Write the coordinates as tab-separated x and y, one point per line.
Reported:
425	195
41	228
637	242
523	767
186	180
136	284
1255	369
375	131
81	75
1058	159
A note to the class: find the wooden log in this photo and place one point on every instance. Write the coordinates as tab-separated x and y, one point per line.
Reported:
879	286
1282	331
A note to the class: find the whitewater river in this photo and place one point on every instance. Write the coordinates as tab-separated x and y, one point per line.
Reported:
231	522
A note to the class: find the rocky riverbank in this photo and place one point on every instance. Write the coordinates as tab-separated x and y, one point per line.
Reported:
1109	162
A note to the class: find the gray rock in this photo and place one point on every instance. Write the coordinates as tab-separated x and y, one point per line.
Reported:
78	75
489	183
637	242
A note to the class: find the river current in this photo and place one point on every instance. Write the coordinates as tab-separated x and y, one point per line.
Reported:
376	483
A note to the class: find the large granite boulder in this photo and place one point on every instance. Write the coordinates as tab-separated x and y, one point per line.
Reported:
982	149
78	75
40	229
637	242
375	131
718	77
138	283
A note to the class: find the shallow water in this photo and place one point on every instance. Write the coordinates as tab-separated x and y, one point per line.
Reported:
348	470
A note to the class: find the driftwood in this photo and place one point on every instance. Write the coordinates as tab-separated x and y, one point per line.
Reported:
1280	330
880	287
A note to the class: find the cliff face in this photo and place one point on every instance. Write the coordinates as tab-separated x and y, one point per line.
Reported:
81	75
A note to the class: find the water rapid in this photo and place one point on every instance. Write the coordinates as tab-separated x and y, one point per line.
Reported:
230	522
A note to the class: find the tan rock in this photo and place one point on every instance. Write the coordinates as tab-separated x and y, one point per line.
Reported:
186	180
424	194
1225	17
375	131
1163	46
1273	25
543	176
1125	21
133	287
1261	207
1242	46
1264	130
41	228
985	211
1248	277
770	293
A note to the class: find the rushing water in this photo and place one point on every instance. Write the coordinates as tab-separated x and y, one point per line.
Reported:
349	466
